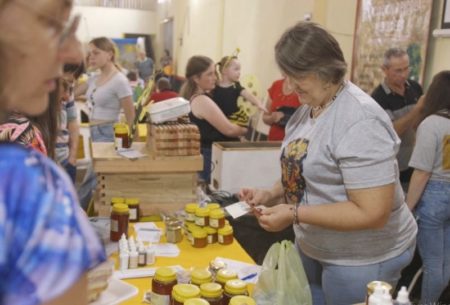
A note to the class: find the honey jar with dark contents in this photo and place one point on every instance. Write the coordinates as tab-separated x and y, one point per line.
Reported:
119	221
184	292
225	235
212	292
233	288
163	282
199	238
217	218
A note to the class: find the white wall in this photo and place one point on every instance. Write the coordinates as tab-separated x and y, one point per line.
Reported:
114	22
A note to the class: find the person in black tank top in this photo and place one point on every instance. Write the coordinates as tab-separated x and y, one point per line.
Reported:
211	121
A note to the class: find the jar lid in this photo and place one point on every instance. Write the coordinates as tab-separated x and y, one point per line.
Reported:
224	275
217	213
236	286
132	201
211	290
192	227
371	286
115	200
213	206
191	207
196	301
182	292
199	233
210	230
226	230
165	275
242	300
202	212
201	275
217	264
120	208
121	128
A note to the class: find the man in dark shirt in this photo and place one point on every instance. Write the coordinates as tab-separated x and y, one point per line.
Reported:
399	96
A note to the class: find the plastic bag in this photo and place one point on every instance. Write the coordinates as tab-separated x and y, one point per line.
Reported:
282	280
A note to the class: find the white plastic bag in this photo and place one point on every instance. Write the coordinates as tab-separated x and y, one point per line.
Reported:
282	280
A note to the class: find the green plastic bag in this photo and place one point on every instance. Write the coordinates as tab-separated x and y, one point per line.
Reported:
282	280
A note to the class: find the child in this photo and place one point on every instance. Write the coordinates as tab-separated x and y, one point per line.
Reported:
228	90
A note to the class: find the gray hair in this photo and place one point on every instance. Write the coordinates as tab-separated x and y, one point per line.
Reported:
392	52
308	48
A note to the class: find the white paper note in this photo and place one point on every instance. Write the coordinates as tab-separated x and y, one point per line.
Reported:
238	209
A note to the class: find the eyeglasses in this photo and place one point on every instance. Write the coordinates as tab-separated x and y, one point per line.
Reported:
57	29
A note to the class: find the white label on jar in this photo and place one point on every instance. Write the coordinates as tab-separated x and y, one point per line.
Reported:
220	239
133	214
118	142
200	221
114	225
158	299
192	241
213	222
210	239
190	217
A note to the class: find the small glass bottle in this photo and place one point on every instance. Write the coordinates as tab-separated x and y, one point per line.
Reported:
242	300
202	217
201	276
190	211
119	221
134	259
217	219
199	238
196	301
183	292
121	137
233	288
142	259
212	292
224	275
212	235
225	235
149	256
162	284
133	205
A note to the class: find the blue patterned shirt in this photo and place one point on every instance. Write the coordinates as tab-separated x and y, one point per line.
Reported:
46	241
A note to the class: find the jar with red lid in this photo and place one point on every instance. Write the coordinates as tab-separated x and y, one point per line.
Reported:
119	221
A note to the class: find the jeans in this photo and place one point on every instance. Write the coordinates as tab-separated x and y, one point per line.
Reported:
205	174
71	170
433	239
102	133
344	285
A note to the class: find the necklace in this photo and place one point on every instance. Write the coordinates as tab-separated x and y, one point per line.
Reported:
317	110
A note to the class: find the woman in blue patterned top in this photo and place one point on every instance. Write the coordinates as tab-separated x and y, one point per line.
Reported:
46	242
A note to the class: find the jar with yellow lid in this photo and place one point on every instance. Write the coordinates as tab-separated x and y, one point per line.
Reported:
212	235
183	292
233	288
133	205
215	265
213	205
201	276
225	235
121	137
199	238
191	227
196	301
212	292
119	221
162	285
115	200
217	218
202	217
224	275
242	300
190	211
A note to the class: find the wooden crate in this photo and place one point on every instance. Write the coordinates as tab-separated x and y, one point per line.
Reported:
163	184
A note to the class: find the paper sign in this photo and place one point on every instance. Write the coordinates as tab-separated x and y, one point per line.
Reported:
238	209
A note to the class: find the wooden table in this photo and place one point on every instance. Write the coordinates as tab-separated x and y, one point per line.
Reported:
162	184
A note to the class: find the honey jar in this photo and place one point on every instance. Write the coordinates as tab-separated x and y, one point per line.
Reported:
133	205
183	292
199	238
217	218
162	284
121	137
224	275
213	205
242	300
233	288
115	200
196	301
119	221
212	292
200	276
202	217
225	235
212	235
190	211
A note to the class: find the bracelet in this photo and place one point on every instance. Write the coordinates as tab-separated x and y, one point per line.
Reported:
296	222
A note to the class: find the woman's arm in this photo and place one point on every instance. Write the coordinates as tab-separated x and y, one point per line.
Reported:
75	295
368	208
419	180
74	133
128	109
253	99
271	117
81	89
204	108
266	197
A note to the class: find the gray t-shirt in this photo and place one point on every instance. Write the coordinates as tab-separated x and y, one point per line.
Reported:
104	101
351	145
432	150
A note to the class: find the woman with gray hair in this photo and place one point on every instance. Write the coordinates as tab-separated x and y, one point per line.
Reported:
339	183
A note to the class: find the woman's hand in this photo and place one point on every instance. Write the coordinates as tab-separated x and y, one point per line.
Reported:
254	197
276	218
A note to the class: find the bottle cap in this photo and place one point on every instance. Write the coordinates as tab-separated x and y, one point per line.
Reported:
403	296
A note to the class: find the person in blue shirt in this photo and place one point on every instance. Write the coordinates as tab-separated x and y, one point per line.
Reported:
46	243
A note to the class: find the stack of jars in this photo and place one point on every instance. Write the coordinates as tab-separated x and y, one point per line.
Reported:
207	225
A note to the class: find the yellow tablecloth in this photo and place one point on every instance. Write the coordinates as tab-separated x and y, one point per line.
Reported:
189	257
